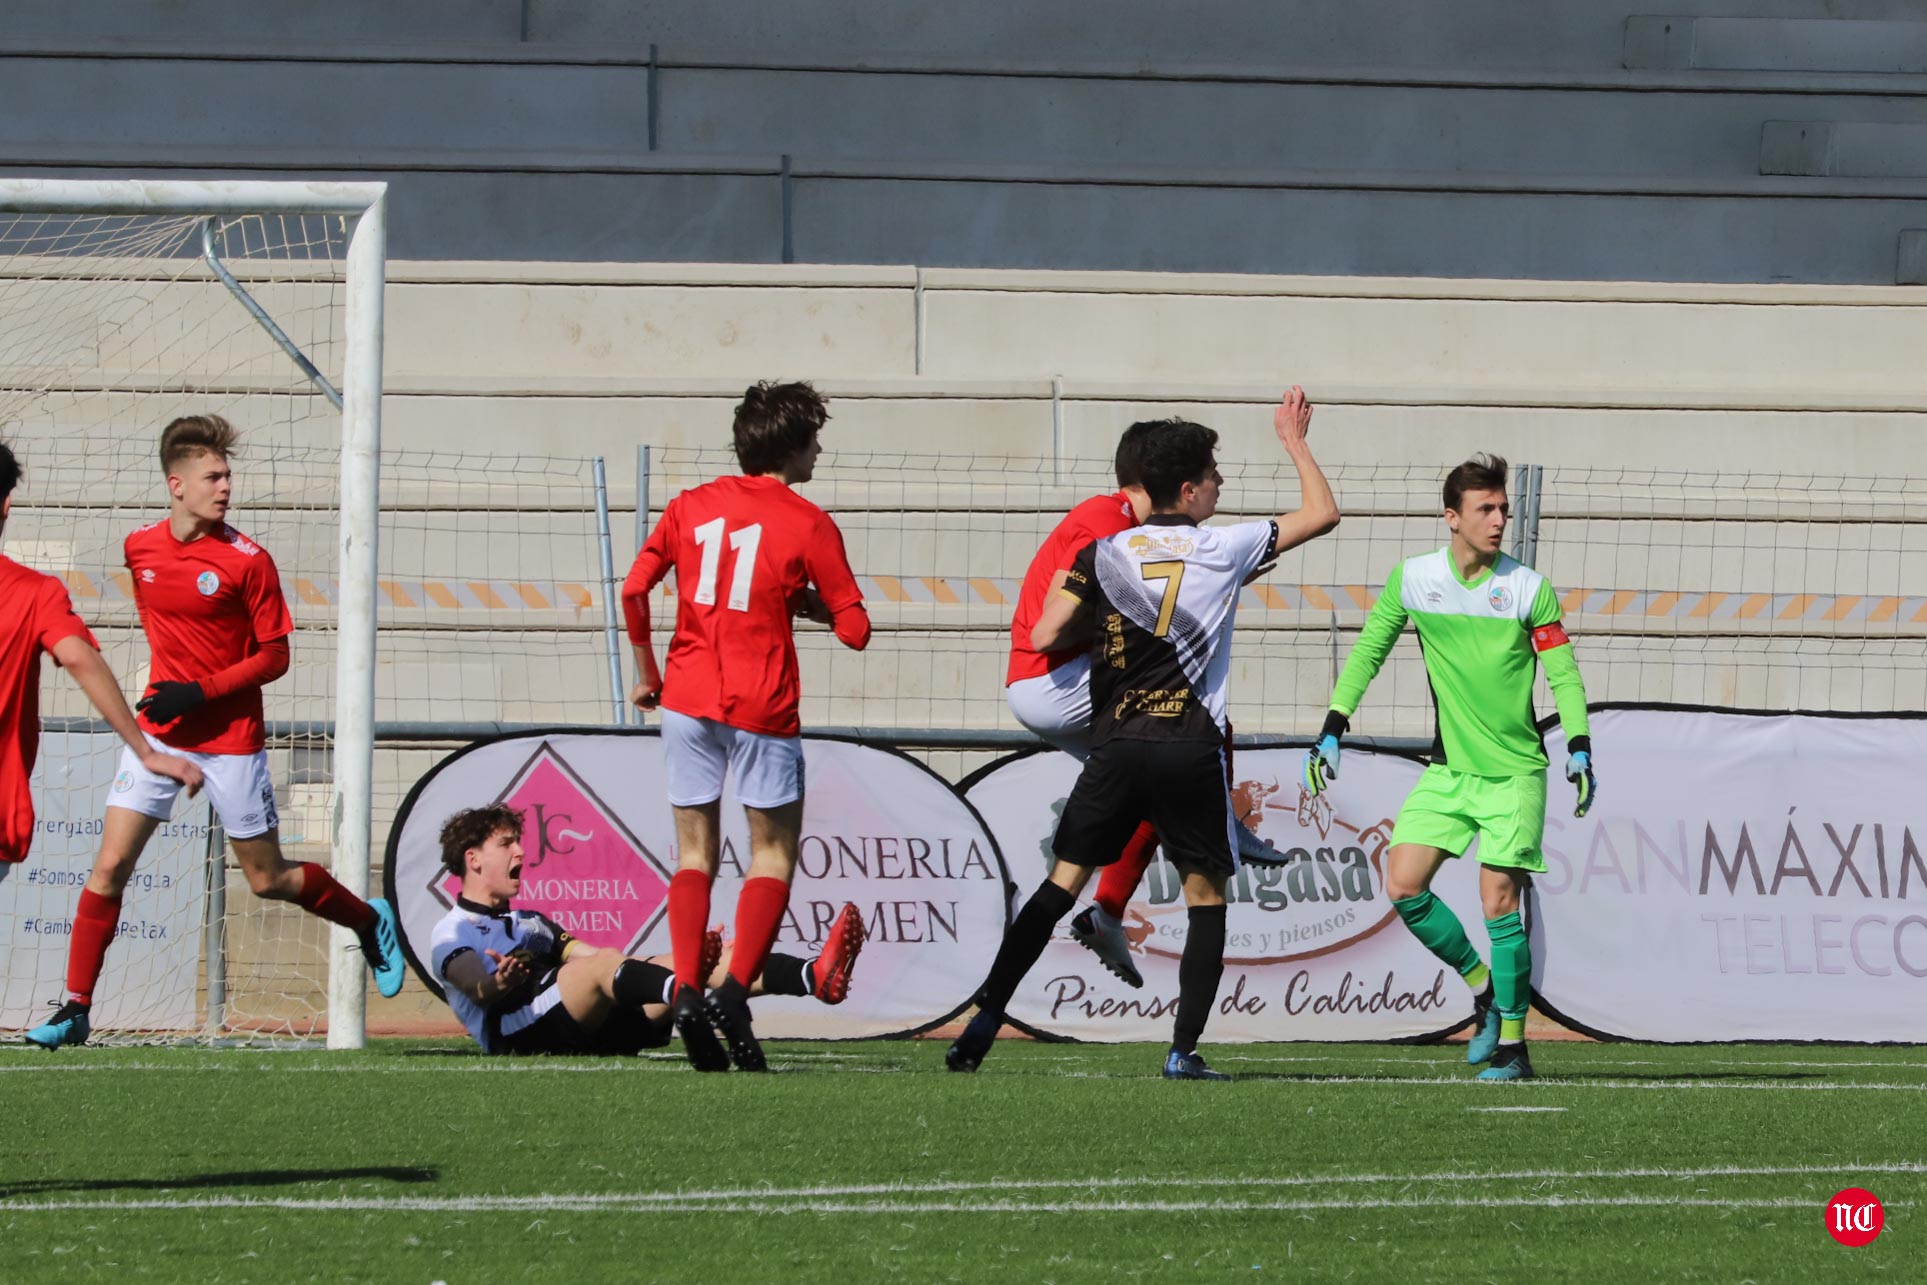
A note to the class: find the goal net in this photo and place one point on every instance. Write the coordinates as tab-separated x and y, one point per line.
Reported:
123	306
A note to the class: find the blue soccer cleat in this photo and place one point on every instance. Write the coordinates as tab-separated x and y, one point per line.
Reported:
1189	1066
967	1053
381	947
1509	1063
1485	1029
68	1025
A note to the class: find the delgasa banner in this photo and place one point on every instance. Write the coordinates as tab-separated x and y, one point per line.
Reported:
1743	877
1313	950
879	829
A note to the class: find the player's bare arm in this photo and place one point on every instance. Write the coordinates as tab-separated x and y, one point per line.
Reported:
1318	511
1064	621
90	671
649	569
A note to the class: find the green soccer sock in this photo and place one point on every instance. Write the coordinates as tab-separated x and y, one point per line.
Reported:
1439	931
1511	974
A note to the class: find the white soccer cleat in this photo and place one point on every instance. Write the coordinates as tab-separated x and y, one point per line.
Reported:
1104	937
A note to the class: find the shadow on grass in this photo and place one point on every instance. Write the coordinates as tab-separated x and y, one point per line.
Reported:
215	1181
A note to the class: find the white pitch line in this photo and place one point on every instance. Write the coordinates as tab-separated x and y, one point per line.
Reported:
951	1186
573	1204
1518	1110
499	1066
733	1197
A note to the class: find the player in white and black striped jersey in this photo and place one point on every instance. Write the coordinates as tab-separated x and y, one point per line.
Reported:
1158	602
521	983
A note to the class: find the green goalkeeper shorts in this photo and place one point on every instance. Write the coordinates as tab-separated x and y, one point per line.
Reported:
1506	814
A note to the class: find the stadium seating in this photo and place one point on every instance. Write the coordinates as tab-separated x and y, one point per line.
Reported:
1403	139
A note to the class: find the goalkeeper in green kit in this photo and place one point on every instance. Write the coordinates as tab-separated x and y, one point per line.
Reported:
1485	623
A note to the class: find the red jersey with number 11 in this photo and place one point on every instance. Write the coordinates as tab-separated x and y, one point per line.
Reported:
743	550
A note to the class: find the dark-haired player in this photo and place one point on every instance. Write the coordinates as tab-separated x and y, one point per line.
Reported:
1485	624
1049	692
522	984
217	631
37	616
1160	600
749	553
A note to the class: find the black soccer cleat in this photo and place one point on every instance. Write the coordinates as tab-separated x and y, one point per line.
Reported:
967	1053
698	1037
1509	1063
728	1013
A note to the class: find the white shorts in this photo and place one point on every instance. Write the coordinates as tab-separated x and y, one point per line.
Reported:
1057	706
238	785
697	751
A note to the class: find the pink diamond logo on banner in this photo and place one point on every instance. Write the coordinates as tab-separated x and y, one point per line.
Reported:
584	868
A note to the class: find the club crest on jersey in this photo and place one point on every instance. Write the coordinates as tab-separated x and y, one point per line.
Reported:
207	582
1500	598
1168	544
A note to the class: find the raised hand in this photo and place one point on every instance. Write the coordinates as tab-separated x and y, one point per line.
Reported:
1292	419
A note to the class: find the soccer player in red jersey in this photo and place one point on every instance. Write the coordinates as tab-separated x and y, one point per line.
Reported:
217	631
749	553
37	616
1050	692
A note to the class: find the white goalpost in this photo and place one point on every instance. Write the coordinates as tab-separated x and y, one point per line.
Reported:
124	304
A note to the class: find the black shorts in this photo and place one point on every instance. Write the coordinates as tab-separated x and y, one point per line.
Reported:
625	1034
1178	786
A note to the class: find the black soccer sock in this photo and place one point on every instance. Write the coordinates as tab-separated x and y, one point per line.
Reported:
1024	941
1199	972
638	982
783	975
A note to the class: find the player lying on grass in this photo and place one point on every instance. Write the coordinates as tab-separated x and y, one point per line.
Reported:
1160	600
37	616
749	553
1485	623
1050	692
217	631
521	984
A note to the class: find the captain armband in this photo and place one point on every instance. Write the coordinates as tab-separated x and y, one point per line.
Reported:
1546	637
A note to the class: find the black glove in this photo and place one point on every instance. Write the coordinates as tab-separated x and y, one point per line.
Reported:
168	701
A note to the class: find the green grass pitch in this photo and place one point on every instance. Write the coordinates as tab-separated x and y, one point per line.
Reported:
1057	1162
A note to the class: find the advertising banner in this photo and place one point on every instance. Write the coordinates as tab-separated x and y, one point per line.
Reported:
152	978
1742	877
879	829
1314	950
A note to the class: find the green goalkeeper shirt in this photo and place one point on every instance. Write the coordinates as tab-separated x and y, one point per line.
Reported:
1482	640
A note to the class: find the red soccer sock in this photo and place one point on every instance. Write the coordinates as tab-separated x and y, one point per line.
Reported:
95	920
1121	878
759	913
688	921
321	895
